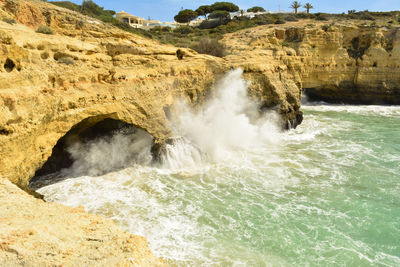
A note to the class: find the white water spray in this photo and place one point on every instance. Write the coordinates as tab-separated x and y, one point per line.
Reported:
229	122
126	147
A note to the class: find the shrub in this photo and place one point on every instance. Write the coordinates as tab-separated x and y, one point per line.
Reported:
325	27
280	21
264	19
90	8
303	15
184	30
363	15
291	18
66	61
67	4
210	24
210	47
45	29
366	16
9	21
321	16
260	22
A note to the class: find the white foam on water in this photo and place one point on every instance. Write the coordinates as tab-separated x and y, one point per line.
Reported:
387	111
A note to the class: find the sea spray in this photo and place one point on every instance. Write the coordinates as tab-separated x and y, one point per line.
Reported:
228	122
122	148
126	147
181	154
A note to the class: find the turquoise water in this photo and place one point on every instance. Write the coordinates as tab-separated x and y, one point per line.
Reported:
236	191
328	193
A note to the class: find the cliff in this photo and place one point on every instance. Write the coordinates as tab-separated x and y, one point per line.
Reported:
335	61
88	72
49	83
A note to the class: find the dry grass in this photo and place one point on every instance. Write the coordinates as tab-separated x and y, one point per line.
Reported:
210	47
45	29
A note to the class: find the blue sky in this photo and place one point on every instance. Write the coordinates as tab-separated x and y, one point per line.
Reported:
165	10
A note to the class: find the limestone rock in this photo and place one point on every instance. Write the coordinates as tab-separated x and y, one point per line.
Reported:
35	233
331	61
49	83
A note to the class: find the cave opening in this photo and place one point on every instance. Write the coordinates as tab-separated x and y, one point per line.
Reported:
9	65
86	131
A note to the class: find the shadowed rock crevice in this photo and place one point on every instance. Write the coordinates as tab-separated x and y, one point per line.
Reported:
351	94
9	65
90	129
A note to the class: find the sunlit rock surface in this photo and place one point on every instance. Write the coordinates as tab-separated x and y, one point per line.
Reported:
88	71
35	233
346	61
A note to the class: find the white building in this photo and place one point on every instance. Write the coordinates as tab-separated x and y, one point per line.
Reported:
133	21
249	15
138	22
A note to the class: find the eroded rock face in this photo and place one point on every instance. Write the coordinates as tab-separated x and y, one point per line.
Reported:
49	83
331	61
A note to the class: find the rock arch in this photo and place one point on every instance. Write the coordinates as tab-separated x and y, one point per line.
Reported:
85	131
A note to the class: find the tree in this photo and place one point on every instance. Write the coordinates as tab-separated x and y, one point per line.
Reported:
111	12
219	14
225	6
256	9
295	5
308	6
90	8
185	16
204	10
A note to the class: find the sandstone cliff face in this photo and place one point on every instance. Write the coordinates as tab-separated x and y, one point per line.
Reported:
87	69
49	83
333	61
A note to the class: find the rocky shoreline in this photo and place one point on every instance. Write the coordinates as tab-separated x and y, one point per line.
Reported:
89	71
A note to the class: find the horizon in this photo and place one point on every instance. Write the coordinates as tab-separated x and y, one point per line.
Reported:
165	10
